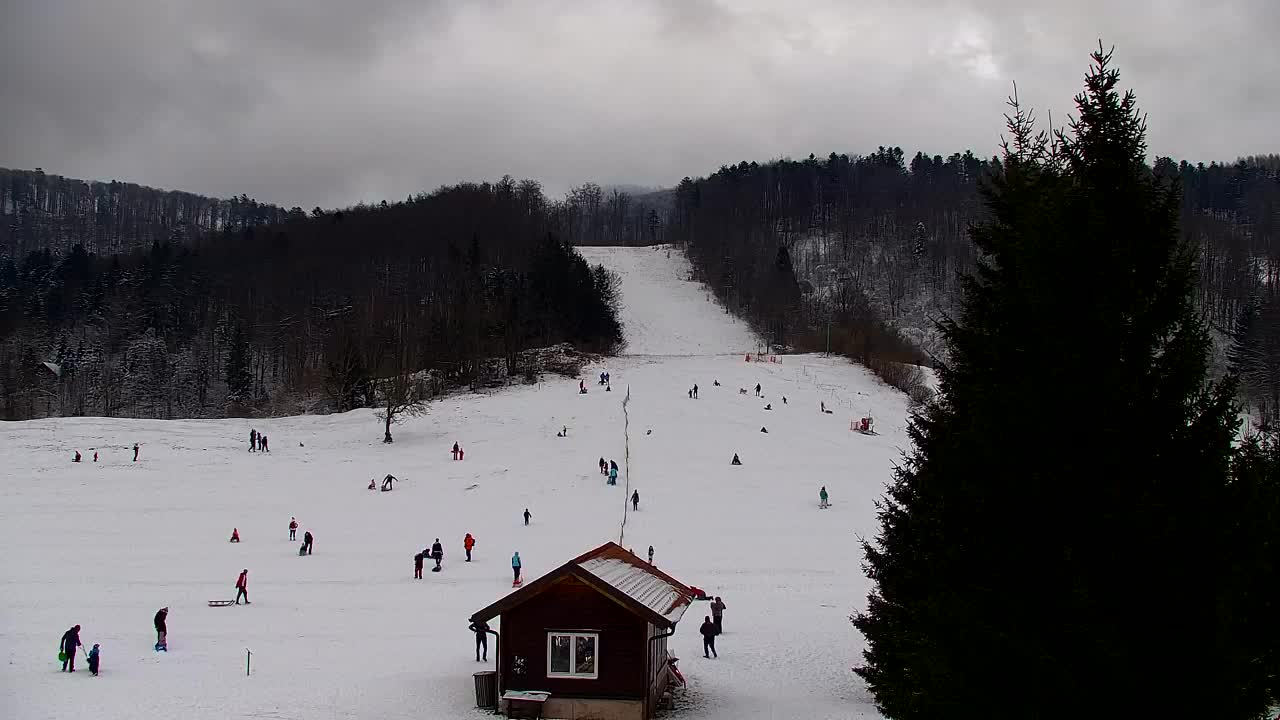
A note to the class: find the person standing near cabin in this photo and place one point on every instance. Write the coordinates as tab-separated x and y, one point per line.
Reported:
162	629
468	542
70	641
635	500
417	566
717	612
293	529
242	587
708	630
515	567
481	629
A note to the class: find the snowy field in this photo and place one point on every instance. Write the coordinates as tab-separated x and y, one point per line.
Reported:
347	632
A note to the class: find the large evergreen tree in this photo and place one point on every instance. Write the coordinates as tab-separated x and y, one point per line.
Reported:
1056	543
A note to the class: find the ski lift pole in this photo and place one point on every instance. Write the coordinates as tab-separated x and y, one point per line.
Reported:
247	656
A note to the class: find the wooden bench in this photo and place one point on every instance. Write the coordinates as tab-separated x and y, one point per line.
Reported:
525	703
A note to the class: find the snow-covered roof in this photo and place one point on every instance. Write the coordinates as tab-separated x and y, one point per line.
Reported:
618	573
656	592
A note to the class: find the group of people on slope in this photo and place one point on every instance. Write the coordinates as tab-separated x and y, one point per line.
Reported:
609	470
258	442
712	625
68	646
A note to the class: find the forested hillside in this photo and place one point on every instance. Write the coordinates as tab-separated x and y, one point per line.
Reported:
323	312
50	212
870	251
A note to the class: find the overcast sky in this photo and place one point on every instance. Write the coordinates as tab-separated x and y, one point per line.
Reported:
331	102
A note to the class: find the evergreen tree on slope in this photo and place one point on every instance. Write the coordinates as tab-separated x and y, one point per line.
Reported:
1054	544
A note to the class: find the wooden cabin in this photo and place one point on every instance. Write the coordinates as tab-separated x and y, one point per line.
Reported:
593	634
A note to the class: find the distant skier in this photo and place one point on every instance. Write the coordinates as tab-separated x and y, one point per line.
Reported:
695	391
708	630
417	566
604	467
94	658
650	554
70	642
736	461
253	440
235	535
468	542
527	516
437	554
77	457
135	452
717	613
635	499
481	629
757	389
455	451
162	629
262	443
822	498
293	528
515	564
307	543
242	587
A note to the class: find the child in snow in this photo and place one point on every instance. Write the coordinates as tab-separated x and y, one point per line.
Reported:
613	475
468	542
461	453
822	498
515	562
93	660
235	535
307	541
293	528
417	566
736	461
162	630
262	443
373	483
77	457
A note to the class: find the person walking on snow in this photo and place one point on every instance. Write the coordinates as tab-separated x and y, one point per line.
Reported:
95	456
650	554
481	629
262	443
162	629
77	457
717	612
455	451
613	475
93	660
468	542
242	587
604	467
695	391
635	500
437	553
135	452
822	498
307	540
527	515
417	566
515	567
293	529
253	440
757	389
70	641
708	630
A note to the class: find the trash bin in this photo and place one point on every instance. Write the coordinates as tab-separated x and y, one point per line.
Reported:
486	689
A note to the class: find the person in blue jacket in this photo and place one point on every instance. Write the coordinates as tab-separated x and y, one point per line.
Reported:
613	475
515	567
93	659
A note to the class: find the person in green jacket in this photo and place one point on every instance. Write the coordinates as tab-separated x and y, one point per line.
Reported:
822	498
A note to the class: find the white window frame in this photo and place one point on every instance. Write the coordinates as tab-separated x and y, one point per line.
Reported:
573	652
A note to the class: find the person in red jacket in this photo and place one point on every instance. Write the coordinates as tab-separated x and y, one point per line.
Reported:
242	587
468	542
293	528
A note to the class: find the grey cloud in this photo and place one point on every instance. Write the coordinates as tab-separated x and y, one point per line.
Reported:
330	103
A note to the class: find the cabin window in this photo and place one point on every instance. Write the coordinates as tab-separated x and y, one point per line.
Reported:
573	655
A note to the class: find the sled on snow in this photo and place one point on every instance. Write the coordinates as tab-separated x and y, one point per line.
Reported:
221	603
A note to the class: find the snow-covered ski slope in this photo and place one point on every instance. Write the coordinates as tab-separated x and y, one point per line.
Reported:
347	632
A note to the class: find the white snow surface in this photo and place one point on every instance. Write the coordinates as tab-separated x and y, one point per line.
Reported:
644	587
347	632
